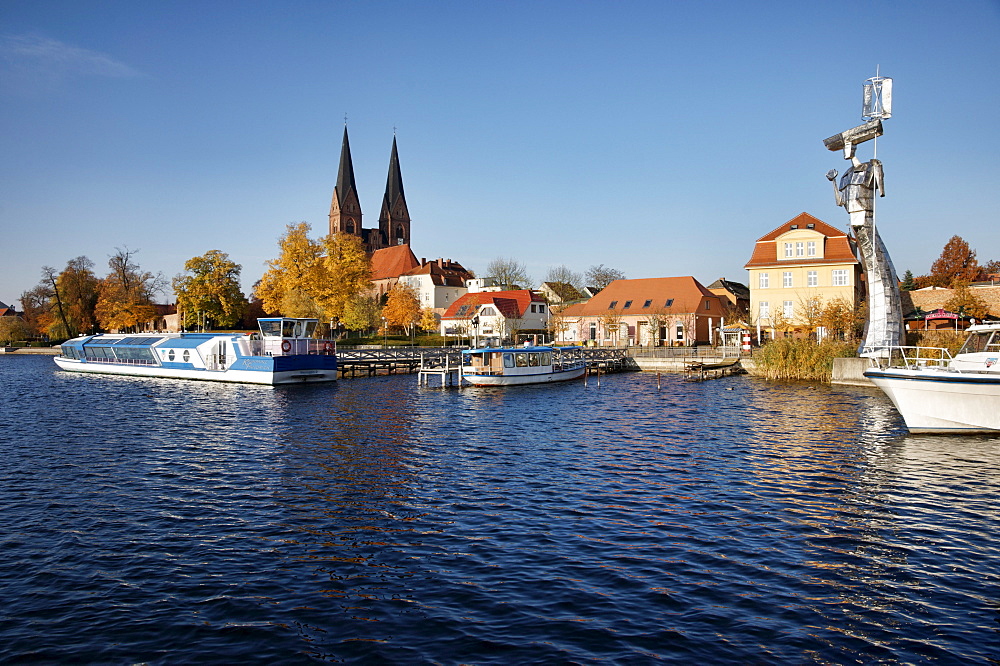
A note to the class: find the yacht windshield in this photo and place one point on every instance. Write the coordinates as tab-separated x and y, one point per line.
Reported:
980	342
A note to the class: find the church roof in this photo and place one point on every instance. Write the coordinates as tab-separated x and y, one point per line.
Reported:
394	181
392	261
345	175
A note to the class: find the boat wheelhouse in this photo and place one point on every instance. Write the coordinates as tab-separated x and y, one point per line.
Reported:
937	393
283	352
503	366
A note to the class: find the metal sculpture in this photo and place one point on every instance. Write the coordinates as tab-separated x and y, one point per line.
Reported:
856	193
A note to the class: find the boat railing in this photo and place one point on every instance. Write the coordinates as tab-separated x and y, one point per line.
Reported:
911	358
121	361
293	347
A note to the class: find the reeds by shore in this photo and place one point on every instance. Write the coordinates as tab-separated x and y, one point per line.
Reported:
801	359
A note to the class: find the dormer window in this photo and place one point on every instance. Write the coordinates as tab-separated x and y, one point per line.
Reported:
647	303
788	251
613	305
628	304
670	302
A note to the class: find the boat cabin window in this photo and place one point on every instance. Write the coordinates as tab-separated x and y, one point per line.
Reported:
521	359
310	328
533	360
981	342
270	328
508	360
546	358
288	329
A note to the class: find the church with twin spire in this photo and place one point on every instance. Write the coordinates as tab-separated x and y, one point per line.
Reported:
345	209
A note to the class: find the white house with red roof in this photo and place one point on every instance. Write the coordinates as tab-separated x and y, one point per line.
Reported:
438	283
666	311
497	316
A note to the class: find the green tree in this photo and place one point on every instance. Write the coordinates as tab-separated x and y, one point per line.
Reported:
908	284
361	313
12	329
210	289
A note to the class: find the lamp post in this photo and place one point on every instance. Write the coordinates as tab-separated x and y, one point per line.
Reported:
384	328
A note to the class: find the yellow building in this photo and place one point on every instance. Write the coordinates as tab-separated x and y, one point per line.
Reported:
798	269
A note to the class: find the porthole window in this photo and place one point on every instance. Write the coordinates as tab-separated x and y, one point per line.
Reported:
170	355
187	355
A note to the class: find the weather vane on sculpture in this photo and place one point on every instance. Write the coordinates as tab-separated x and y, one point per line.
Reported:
856	193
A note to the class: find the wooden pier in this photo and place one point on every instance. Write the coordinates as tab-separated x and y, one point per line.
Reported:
446	366
702	370
446	362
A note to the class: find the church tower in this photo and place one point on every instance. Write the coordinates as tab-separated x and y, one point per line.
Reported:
394	220
345	209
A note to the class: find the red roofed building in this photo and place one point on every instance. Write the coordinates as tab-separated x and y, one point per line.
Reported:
496	317
798	268
667	311
437	283
388	264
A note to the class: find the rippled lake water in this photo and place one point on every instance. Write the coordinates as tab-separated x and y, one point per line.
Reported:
734	520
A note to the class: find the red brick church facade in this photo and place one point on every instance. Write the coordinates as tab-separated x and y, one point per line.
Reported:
345	208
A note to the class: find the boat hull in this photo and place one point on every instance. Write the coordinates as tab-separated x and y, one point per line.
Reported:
942	401
269	374
518	380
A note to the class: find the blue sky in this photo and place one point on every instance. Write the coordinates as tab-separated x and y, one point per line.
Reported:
659	138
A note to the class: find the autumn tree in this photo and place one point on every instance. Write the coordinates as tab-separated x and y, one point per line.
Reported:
429	320
313	278
656	320
810	313
61	327
966	303
601	276
126	294
210	290
402	309
611	321
509	273
35	306
361	313
842	319
80	289
290	281
348	272
558	323
956	264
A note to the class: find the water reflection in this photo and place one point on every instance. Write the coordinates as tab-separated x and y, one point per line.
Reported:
732	520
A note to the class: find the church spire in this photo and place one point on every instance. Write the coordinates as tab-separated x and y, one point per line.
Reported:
394	220
345	208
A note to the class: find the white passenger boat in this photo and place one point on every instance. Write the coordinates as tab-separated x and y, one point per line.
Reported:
283	353
508	366
936	393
